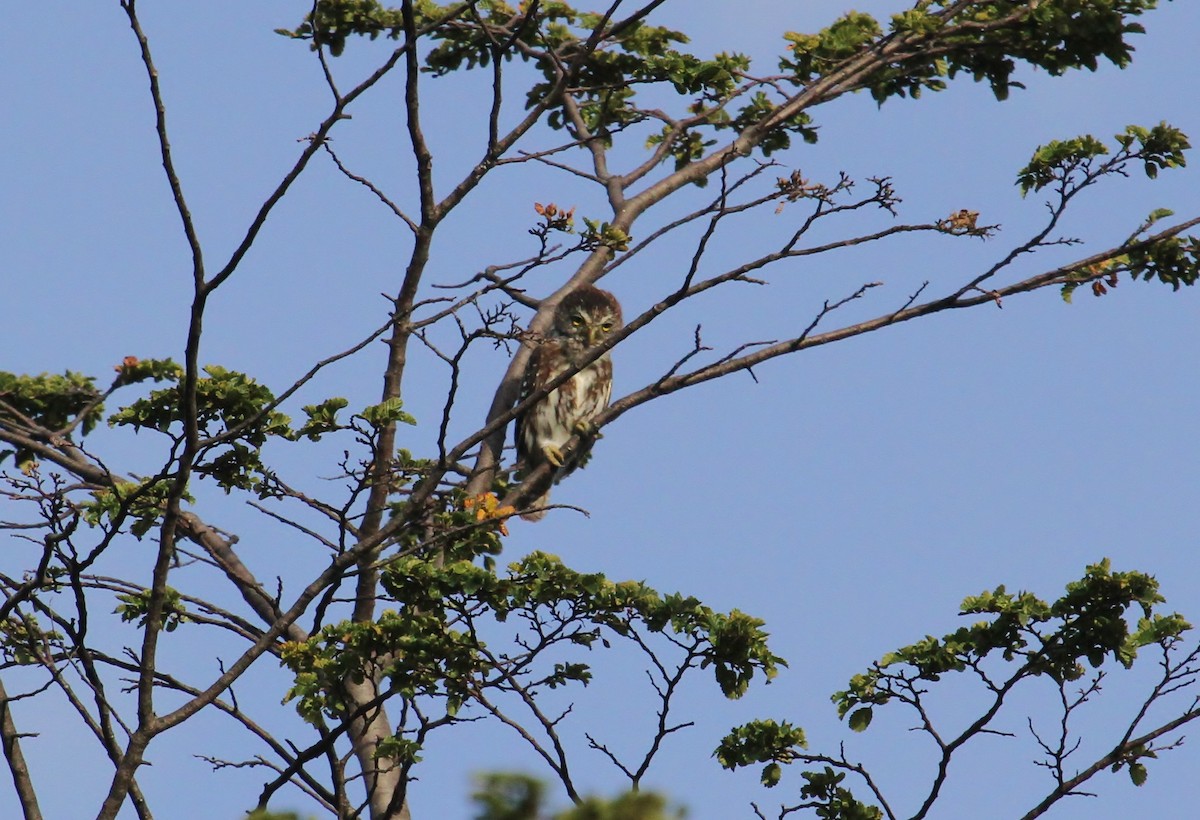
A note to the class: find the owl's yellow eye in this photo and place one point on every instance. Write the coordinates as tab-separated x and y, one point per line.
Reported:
607	326
577	321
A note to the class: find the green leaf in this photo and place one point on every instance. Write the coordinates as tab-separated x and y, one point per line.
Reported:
860	719
1137	774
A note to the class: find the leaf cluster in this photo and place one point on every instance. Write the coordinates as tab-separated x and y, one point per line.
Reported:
1174	261
830	800
133	370
1130	760
1089	623
761	741
430	647
467	526
60	403
507	796
332	21
776	743
1071	163
135	606
635	805
378	416
601	234
24	642
985	40
734	644
608	65
236	416
224	400
50	401
263	814
140	503
414	650
232	408
322	418
1103	616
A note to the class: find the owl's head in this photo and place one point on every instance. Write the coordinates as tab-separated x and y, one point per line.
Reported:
585	317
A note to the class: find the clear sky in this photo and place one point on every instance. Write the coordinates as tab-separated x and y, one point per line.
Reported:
851	497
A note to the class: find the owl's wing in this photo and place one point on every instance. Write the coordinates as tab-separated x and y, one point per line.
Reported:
604	376
528	385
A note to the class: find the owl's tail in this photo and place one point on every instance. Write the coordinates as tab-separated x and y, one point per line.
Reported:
538	505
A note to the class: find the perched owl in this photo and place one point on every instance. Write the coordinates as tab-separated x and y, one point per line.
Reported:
583	319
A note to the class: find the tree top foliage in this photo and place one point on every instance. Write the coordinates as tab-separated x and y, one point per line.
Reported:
404	622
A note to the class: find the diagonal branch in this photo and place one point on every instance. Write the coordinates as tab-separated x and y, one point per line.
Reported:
1120	753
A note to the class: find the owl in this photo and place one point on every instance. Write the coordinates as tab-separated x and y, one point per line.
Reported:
583	319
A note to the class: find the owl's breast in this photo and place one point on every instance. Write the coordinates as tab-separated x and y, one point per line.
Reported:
587	392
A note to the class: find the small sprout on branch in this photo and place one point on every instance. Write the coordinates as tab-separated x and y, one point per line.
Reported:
385	413
963	223
556	219
136	606
487	507
322	418
795	187
602	234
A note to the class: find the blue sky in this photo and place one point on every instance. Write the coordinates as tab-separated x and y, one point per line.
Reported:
851	497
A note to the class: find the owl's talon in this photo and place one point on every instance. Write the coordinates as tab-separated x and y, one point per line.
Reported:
553	455
585	428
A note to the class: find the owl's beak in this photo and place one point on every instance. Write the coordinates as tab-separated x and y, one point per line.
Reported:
595	336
